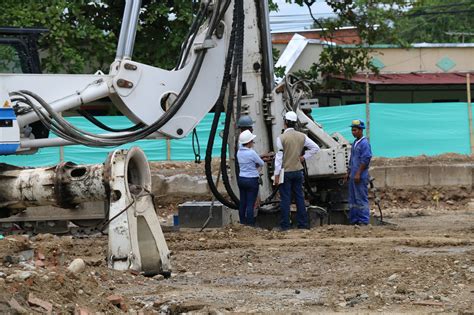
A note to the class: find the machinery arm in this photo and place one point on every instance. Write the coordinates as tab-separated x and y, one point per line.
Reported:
136	89
226	56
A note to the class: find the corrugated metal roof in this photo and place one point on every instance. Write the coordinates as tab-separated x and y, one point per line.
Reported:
411	78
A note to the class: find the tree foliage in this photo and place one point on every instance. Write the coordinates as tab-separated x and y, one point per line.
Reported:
83	34
436	21
373	20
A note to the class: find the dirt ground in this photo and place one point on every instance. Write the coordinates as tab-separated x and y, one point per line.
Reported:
422	264
406	202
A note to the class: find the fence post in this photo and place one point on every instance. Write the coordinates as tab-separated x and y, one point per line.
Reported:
168	149
367	106
61	148
469	111
168	141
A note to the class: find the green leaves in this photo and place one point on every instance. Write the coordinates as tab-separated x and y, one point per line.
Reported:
373	21
83	35
437	21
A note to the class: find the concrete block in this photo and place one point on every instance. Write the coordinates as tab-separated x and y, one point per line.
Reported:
203	186
451	175
407	176
194	214
183	183
159	185
379	173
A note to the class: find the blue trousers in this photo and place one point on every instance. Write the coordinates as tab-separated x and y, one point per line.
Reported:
248	187
293	182
359	212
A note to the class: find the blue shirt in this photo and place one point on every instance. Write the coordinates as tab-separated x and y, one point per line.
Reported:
248	162
361	153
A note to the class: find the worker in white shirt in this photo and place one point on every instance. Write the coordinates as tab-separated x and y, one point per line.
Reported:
290	158
249	163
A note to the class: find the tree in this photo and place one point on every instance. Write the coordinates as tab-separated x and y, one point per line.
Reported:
373	20
83	34
437	21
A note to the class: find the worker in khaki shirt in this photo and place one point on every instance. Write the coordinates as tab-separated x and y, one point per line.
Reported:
289	157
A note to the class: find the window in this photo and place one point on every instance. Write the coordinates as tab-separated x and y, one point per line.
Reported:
9	59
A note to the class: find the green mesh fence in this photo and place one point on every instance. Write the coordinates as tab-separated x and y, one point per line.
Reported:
396	130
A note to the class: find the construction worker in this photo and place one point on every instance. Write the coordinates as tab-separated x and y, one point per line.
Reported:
358	175
249	163
245	122
289	158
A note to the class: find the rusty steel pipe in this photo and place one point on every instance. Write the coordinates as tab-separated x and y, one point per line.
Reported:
65	185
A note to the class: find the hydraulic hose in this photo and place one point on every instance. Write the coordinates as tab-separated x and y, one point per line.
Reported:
65	130
306	181
103	126
218	110
197	22
237	66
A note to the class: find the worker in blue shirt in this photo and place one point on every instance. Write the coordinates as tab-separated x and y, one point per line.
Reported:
358	176
249	163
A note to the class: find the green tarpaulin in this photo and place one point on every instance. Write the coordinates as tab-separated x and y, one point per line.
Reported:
396	130
404	129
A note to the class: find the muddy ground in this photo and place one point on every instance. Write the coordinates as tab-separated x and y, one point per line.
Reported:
422	264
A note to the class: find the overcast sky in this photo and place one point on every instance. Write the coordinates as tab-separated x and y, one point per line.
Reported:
293	17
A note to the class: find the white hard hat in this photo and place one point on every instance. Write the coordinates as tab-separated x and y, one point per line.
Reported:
291	116
246	136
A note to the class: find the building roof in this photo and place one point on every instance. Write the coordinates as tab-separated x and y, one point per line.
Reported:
414	45
343	35
413	78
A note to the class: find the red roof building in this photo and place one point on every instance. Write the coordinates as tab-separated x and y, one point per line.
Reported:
415	87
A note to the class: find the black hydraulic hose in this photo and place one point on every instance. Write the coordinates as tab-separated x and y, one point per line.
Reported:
306	181
71	133
103	126
238	59
218	110
190	39
240	39
192	31
208	159
270	200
